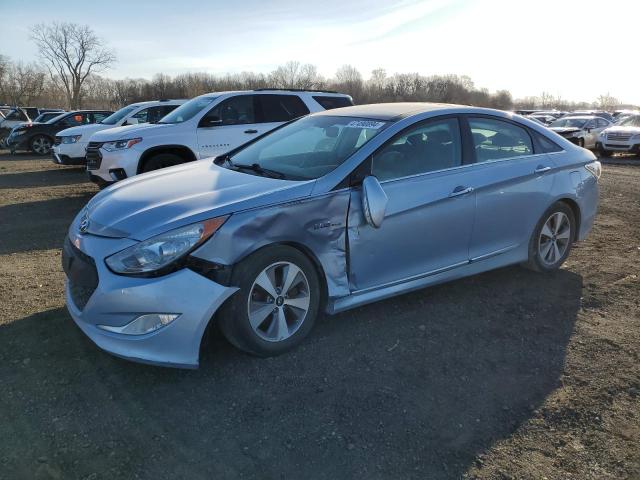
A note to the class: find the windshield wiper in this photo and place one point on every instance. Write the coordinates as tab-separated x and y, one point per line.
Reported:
255	167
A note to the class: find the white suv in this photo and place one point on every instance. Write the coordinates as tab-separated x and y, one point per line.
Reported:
206	126
71	144
623	137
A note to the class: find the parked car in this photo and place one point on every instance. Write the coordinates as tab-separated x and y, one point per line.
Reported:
39	137
71	144
625	113
328	212
205	126
542	118
582	130
17	116
623	137
597	113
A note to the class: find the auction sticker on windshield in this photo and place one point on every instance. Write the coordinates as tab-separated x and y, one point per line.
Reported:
365	124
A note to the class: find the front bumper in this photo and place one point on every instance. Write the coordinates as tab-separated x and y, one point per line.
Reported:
619	146
17	142
117	300
114	166
69	154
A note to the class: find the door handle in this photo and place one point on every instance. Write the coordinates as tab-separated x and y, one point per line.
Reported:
251	131
541	169
460	191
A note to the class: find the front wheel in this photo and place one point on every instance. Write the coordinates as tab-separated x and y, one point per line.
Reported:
277	304
40	145
551	241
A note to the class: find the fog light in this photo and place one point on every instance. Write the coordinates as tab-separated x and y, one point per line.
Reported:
118	174
143	324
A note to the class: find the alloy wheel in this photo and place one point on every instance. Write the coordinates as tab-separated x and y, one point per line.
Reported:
278	301
41	145
555	238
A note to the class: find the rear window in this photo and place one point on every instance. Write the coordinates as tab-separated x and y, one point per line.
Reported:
546	145
281	108
329	103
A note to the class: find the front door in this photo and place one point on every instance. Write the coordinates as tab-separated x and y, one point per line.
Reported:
228	125
429	216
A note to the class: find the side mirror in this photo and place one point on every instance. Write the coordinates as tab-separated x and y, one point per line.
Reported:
210	122
131	121
374	201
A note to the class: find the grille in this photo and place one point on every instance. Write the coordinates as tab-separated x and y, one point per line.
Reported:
81	272
58	141
619	136
94	157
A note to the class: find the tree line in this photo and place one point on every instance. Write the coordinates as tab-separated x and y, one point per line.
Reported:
72	59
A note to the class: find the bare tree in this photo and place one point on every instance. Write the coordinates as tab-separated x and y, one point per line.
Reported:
295	75
607	102
20	83
71	52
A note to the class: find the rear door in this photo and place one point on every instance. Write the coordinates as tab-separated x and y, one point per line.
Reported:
512	184
429	216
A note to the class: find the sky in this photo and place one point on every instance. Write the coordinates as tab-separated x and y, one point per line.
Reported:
574	49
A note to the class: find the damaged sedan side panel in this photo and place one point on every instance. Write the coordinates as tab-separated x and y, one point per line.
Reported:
318	224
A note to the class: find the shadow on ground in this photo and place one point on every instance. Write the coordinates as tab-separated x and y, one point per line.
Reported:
44	178
412	387
31	226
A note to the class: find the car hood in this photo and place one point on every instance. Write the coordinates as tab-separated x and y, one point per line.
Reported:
155	202
87	130
565	129
129	131
623	129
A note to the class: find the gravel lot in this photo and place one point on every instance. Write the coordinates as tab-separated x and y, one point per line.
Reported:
509	374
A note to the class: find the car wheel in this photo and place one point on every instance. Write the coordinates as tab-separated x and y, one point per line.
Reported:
162	160
277	304
552	238
40	145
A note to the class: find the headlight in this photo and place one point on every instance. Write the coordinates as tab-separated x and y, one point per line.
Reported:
121	144
71	139
159	252
595	168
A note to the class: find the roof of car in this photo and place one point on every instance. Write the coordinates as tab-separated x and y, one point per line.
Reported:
581	117
389	111
164	100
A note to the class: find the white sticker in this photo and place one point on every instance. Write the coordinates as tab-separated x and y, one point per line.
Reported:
365	124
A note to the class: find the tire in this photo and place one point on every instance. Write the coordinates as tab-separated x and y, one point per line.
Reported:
162	160
269	336
40	145
542	256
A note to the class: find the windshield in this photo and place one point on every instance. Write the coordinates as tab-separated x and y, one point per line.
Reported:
56	118
119	115
633	121
308	148
188	110
569	122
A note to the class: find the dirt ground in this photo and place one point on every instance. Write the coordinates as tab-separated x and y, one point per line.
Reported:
506	375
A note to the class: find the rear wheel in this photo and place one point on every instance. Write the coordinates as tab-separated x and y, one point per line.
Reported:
162	160
40	145
277	304
551	241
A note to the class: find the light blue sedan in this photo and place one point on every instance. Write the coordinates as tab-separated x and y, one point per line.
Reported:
328	212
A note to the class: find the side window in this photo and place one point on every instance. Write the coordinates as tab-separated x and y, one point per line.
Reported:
74	120
602	122
142	116
427	147
590	124
280	108
166	109
495	139
17	115
545	144
97	117
236	110
329	103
